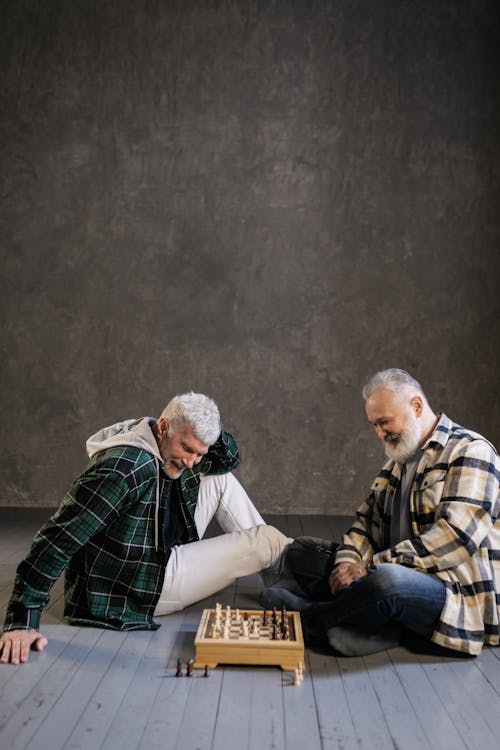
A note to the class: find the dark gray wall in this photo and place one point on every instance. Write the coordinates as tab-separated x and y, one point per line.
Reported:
265	201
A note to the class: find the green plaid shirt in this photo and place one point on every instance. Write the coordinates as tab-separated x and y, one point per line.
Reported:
454	514
103	536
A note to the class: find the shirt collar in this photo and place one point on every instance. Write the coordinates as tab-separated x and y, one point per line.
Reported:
441	433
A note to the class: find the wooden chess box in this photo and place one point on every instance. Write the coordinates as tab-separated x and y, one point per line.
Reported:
227	641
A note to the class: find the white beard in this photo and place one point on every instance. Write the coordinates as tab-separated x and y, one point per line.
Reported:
407	444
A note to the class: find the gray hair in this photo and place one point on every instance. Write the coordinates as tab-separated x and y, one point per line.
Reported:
197	410
394	380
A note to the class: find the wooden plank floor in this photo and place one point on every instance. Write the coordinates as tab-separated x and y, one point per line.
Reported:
100	689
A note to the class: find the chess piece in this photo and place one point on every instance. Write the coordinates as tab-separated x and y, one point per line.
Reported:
300	669
299	674
284	625
179	668
296	678
190	666
205	673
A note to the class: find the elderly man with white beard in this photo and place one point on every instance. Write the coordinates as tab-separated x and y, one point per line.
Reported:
423	553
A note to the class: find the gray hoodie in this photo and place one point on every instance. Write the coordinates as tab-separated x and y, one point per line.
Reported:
134	432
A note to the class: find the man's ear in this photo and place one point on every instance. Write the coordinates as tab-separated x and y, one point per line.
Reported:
163	426
417	404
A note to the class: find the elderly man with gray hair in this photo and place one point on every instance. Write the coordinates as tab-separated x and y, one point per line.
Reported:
423	552
128	534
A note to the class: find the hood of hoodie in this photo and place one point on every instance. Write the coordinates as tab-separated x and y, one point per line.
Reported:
136	432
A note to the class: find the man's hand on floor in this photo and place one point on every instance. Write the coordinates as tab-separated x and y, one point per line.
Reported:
15	645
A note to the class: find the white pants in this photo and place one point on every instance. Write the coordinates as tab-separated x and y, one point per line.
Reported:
197	570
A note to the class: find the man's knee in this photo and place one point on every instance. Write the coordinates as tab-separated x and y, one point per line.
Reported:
389	581
272	536
386	578
218	482
271	544
221	485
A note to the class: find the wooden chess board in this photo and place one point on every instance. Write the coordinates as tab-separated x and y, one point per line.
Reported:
267	638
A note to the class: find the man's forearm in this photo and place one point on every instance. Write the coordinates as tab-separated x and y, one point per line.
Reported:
223	455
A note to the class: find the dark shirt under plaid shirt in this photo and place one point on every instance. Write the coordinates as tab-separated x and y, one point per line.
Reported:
103	536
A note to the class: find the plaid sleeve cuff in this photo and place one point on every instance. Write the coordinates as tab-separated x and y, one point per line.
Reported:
20	617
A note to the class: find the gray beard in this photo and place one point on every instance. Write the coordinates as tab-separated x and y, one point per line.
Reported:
408	444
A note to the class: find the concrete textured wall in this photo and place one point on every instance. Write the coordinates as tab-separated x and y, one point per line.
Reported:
264	201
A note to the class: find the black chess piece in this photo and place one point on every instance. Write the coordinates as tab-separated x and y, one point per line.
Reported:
190	666
179	668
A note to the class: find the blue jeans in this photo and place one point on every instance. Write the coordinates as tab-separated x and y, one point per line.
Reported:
389	593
